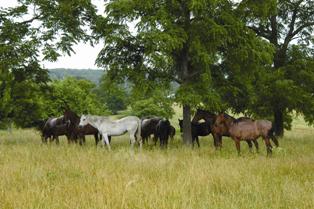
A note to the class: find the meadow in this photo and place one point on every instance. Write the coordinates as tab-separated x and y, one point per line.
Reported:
33	175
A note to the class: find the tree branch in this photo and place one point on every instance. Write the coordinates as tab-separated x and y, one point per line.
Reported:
30	20
299	29
292	24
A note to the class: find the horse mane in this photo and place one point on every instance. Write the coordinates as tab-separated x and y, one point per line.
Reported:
228	116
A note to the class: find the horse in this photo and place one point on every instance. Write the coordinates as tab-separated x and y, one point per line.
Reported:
222	129
209	118
49	129
205	115
218	131
107	127
60	130
172	132
197	129
80	132
163	130
149	127
248	130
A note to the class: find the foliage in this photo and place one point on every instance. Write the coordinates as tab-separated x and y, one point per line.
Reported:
157	103
74	94
288	85
93	75
113	94
27	31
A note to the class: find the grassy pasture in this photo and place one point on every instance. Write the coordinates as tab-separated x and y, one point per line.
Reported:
33	175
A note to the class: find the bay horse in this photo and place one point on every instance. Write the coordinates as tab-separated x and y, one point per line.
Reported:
197	129
217	131
247	129
77	132
108	127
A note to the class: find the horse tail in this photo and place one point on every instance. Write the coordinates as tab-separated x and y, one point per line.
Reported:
139	127
272	136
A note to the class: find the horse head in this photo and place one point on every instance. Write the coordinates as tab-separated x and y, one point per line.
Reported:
83	121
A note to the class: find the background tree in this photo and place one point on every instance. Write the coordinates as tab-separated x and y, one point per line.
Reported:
152	100
76	94
173	41
287	86
27	31
113	94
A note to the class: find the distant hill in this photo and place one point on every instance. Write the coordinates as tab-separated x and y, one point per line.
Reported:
89	74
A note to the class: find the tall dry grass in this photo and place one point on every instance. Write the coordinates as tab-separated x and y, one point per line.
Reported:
33	175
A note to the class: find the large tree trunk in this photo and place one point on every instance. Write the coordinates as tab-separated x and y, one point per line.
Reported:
187	134
278	123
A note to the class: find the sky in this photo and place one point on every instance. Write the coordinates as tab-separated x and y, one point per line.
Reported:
85	55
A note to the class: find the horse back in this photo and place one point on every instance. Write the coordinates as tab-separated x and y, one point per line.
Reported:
245	129
264	126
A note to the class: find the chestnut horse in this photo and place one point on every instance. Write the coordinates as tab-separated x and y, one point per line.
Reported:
218	131
246	129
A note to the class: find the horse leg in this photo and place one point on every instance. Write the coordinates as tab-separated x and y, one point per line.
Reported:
57	139
249	142
69	140
268	146
237	143
106	141
256	145
275	140
83	139
197	141
215	140
132	140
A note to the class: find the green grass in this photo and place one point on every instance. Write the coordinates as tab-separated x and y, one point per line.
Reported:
33	175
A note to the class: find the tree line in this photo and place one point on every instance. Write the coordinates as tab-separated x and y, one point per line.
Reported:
250	57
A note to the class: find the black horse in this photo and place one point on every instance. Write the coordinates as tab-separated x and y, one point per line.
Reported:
172	132
197	129
148	127
163	131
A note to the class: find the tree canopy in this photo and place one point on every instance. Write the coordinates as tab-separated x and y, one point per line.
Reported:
287	86
179	41
30	32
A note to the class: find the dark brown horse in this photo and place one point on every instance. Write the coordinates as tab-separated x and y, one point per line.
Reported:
246	129
55	127
79	133
148	127
220	131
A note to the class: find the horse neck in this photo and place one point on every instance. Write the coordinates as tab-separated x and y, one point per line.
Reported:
93	122
202	114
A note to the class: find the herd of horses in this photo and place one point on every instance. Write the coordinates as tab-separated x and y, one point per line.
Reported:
75	128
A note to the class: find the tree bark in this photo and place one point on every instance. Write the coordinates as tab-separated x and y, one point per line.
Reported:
187	133
278	123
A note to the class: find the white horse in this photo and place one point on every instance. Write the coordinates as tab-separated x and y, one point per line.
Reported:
107	127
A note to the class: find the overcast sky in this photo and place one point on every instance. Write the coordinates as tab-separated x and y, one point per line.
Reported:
84	56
